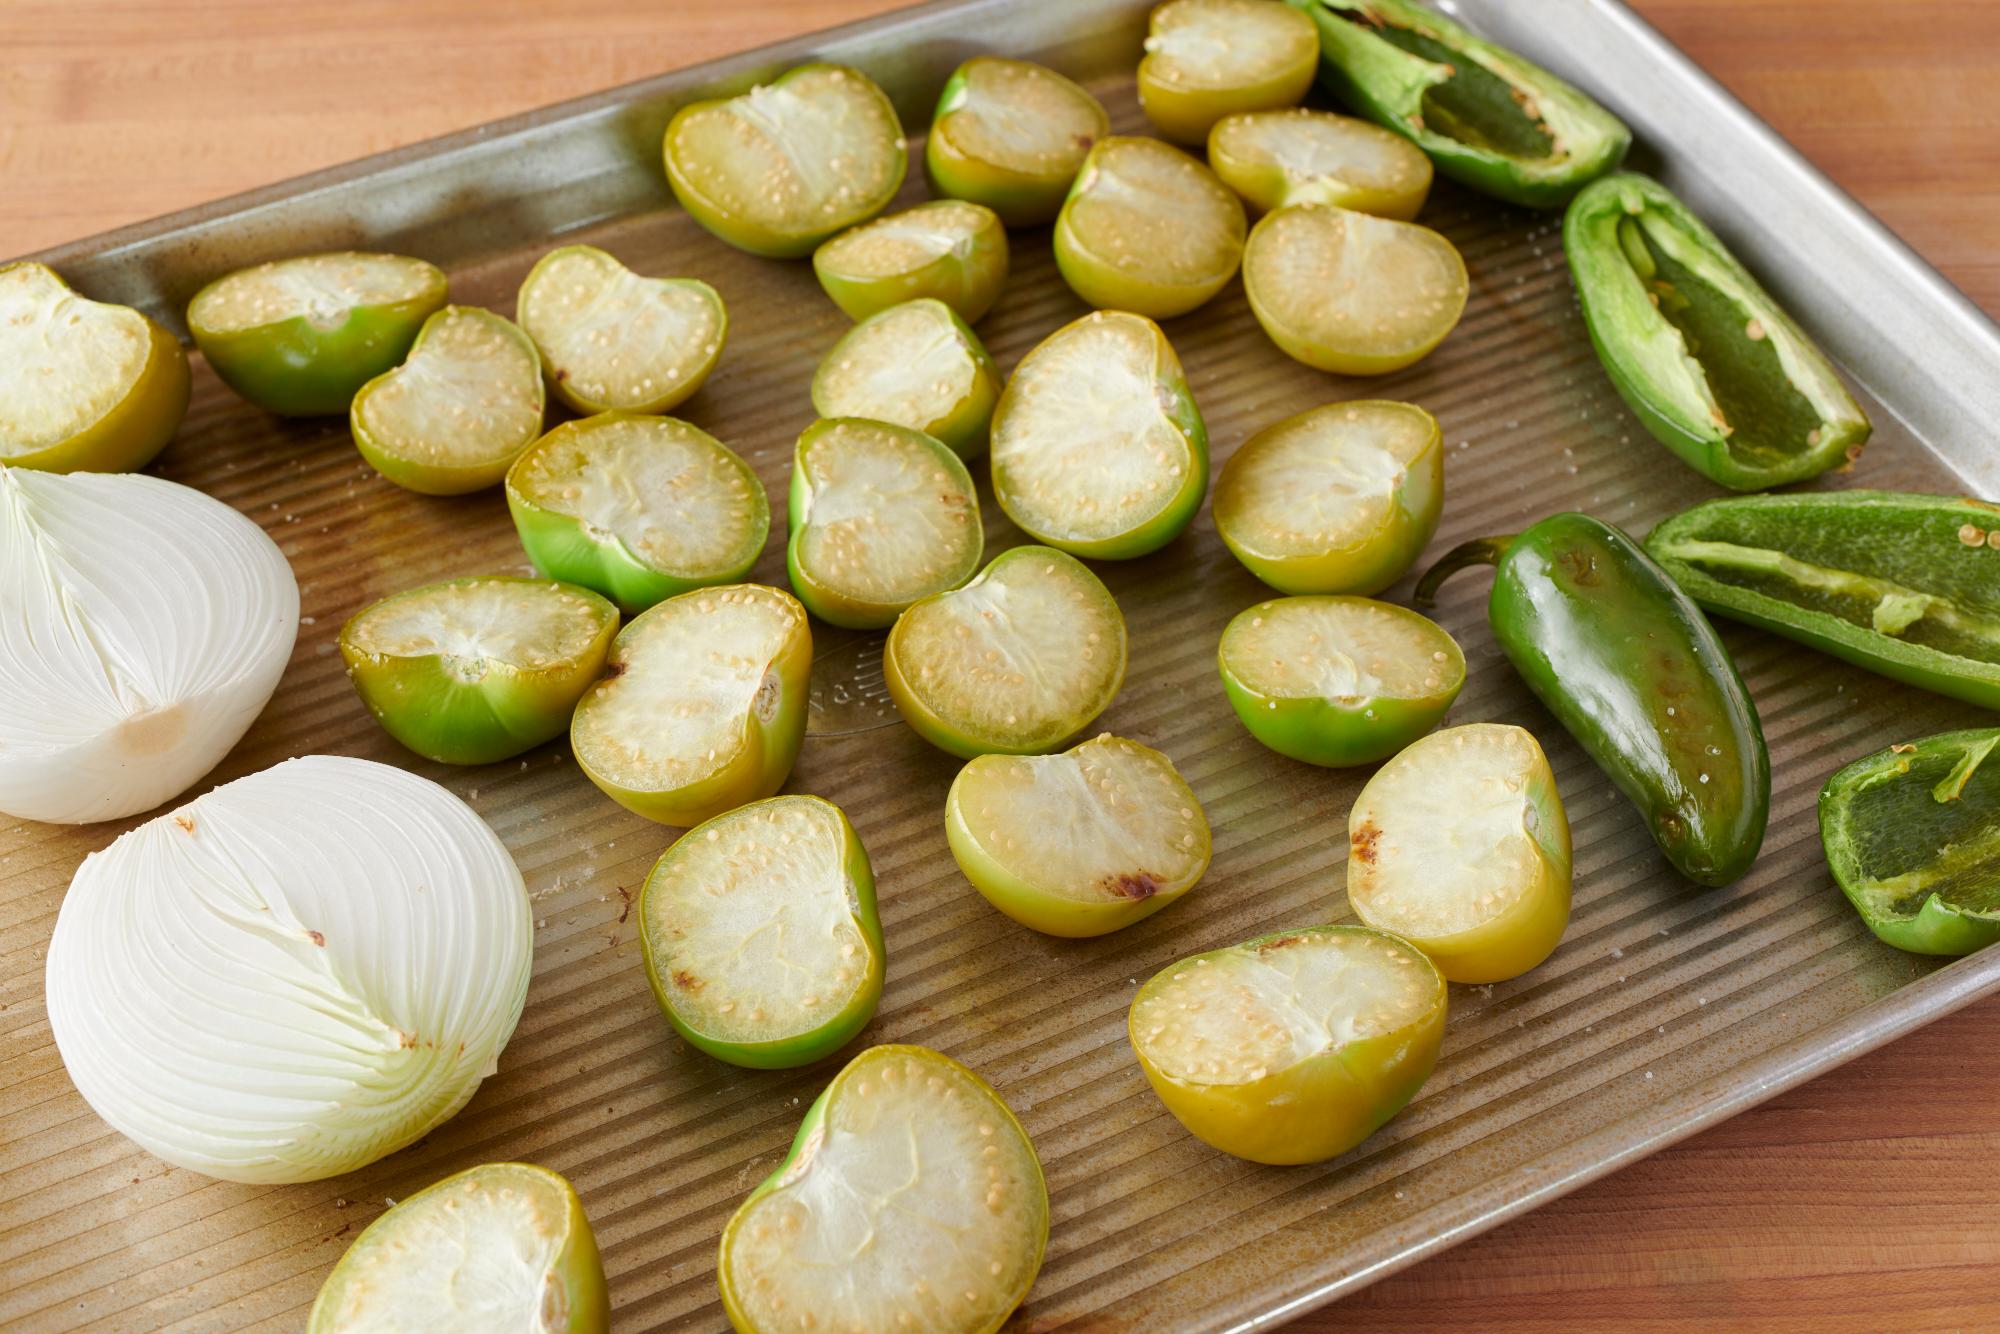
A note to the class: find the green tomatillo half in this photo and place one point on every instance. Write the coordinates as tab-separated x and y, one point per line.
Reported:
1299	156
760	934
1011	134
1148	229
881	517
1460	845
1081	843
637	508
299	336
470	671
1338	681
947	249
1017	662
612	339
779	169
1294	1047
917	365
911	1200
702	706
1098	448
1352	293
1206	59
454	416
1913	836
85	386
498	1246
1338	499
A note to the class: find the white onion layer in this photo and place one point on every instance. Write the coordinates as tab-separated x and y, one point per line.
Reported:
143	626
294	974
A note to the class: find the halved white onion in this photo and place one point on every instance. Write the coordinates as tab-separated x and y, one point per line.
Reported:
294	974
143	626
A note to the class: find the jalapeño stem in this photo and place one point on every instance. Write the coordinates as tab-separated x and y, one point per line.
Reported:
1479	551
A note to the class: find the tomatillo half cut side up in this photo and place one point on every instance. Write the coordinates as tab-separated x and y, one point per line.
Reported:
470	671
85	386
637	508
1913	836
911	1199
1206	59
881	516
299	337
702	706
917	365
1098	448
612	339
1148	229
498	1246
456	415
1017	662
1011	134
1460	845
947	249
1707	360
1488	118
1338	681
784	166
760	934
1351	293
1298	156
1294	1047
1338	499
1081	843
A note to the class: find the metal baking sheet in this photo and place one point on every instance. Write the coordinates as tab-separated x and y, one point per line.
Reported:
1666	1009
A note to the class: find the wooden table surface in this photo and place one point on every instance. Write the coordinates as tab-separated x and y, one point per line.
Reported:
1863	1201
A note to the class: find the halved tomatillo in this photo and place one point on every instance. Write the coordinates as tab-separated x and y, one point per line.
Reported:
917	365
1338	499
948	249
85	386
612	339
1098	448
1206	59
469	671
459	411
1338	681
299	336
1148	229
1350	293
702	706
1460	845
637	508
911	1200
760	934
881	516
498	1246
1017	662
1081	843
1294	1047
1300	156
1010	134
779	169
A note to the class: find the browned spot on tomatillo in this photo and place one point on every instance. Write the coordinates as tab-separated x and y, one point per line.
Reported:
686	981
1135	885
1281	942
613	670
1362	842
185	822
316	938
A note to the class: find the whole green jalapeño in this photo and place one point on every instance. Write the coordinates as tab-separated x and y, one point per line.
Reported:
1913	836
948	250
918	365
1712	366
299	337
470	671
85	386
760	934
1488	118
779	169
1011	134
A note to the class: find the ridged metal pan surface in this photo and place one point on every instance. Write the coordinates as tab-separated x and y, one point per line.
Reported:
1666	1008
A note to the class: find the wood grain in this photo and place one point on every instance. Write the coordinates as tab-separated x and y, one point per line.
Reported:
1864	1201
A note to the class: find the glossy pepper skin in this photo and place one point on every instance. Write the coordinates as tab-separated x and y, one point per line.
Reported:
1903	584
1488	118
1706	359
1630	666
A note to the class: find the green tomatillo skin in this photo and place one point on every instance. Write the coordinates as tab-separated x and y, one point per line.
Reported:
948	249
1628	664
916	364
1010	134
1188	80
